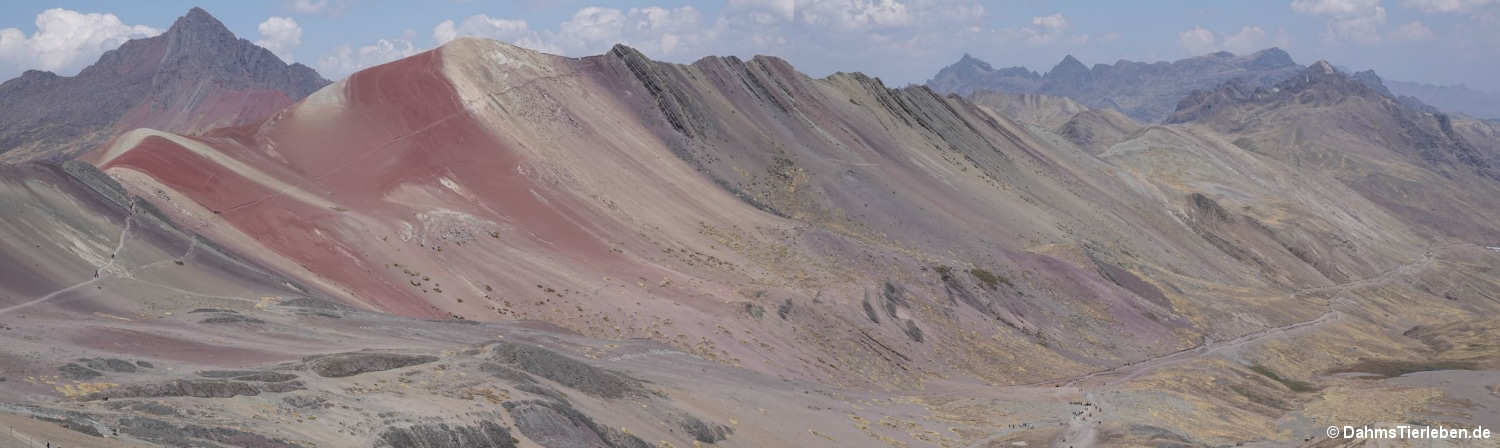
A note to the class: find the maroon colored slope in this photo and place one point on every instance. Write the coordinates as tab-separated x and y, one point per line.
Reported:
398	124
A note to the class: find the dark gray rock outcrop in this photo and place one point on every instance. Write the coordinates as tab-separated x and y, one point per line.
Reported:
195	388
442	435
558	425
191	435
354	363
567	371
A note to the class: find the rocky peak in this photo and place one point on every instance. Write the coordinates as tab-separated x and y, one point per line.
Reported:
968	61
170	81
1271	58
199	45
38	74
1068	75
198	38
970	73
625	51
198	23
1326	82
1373	81
1369	79
32	77
1069	66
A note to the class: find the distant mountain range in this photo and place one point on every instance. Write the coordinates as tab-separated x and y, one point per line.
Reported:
1458	98
194	77
1146	92
1149	92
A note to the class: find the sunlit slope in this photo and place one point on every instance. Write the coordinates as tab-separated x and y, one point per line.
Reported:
821	228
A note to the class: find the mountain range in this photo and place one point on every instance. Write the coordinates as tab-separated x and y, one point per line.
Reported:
1147	92
486	246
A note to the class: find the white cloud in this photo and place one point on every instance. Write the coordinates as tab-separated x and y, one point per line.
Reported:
65	40
1045	29
855	14
946	11
1197	40
819	34
844	14
1363	29
319	7
785	9
1334	7
346	59
1248	39
659	32
280	35
1356	21
1053	22
1430	6
595	24
1413	31
309	6
515	32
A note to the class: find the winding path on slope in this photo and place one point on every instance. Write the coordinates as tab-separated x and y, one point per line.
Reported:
110	270
1136	369
1081	431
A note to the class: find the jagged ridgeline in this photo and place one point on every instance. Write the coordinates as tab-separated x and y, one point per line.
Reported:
1146	92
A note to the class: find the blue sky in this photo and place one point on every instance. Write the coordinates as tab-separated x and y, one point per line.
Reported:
902	41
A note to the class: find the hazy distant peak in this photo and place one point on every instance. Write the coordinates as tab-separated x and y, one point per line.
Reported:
1271	58
1069	63
1068	70
968	72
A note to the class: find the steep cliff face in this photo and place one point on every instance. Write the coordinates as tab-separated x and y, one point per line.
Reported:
194	77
